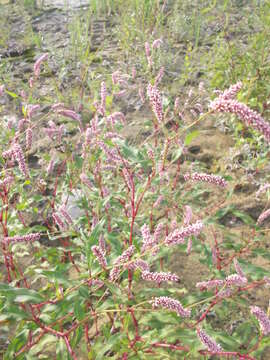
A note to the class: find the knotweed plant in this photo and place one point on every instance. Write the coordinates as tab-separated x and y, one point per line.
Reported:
85	238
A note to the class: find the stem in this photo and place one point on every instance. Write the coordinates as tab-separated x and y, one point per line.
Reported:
72	354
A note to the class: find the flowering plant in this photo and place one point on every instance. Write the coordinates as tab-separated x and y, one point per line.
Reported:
97	283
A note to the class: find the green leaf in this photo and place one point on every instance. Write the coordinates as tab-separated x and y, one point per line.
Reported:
20	294
192	135
12	94
79	310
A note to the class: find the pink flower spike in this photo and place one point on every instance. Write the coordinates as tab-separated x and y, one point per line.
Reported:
147	50
101	244
159	277
263	319
57	219
85	180
29	138
70	114
247	115
210	284
38	63
115	77
155	101
171	304
267	281
139	264
19	156
125	256
212	179
99	254
31	109
65	215
2	90
114	273
238	268
158	232
211	345
31	82
157	43
231	92
159	76
178	236
264	215
57	106
103	95
236	280
147	238
6	182
23	238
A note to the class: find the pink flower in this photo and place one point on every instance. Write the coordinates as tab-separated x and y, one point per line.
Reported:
125	256
158	232
263	319
38	63
57	219
264	215
101	244
70	114
115	77
147	238
50	167
206	285
267	281
176	104
236	280
238	268
31	109
103	95
147	49
158	201
19	156
247	115
263	188
2	90
114	273
212	179
116	116
65	214
171	304
211	345
23	238
159	76
139	264
157	43
156	101
178	236
231	92
99	254
29	138
159	277
6	182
